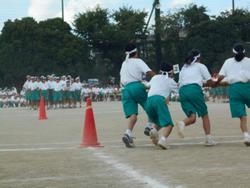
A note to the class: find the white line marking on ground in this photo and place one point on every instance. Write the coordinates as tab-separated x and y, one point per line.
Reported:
113	146
113	141
35	149
128	170
35	179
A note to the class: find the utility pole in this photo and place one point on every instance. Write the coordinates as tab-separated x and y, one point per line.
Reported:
158	34
233	7
62	11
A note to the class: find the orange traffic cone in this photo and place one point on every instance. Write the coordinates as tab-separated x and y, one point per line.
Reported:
89	133
42	113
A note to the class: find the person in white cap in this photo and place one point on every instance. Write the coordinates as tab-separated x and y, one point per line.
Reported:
77	93
50	91
27	90
57	93
236	71
192	77
44	87
133	92
161	86
63	92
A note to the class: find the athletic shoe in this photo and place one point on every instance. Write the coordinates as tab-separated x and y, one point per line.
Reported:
210	142
163	144
154	136
128	141
247	141
180	129
147	131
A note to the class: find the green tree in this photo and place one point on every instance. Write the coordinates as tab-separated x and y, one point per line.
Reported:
28	47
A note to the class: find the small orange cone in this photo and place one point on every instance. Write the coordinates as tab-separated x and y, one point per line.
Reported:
42	113
89	133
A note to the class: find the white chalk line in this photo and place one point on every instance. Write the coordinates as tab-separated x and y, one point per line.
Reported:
129	171
110	146
55	114
36	149
113	141
35	179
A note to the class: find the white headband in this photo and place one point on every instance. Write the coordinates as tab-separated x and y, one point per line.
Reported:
165	73
235	52
195	58
130	52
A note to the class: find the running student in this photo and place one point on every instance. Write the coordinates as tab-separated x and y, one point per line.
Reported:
191	79
236	71
161	86
134	91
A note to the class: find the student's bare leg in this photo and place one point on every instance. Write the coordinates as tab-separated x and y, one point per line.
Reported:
165	134
206	124
186	122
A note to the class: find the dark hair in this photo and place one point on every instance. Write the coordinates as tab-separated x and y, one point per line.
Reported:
240	52
130	47
190	57
166	67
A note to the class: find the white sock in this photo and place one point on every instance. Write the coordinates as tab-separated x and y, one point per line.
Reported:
164	138
246	134
181	124
129	132
208	136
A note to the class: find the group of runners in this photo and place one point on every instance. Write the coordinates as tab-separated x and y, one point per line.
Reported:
235	73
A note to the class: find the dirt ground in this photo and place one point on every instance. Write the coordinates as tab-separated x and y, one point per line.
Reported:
46	153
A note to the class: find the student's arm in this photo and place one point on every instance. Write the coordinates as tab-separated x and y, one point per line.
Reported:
150	74
220	83
210	83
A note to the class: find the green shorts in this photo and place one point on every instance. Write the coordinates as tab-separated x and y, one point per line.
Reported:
57	96
239	98
77	95
27	95
51	95
44	93
133	94
157	111
192	100
35	95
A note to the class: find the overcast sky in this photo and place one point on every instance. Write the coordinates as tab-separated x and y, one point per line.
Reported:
43	9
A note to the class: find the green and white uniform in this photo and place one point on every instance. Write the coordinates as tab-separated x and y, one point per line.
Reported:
57	92
44	87
35	92
27	90
134	91
50	91
160	88
191	79
237	74
77	93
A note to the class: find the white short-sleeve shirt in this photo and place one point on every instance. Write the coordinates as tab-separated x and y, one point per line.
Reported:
162	85
44	86
236	71
195	73
132	70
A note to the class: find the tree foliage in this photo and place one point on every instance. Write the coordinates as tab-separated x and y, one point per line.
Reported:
94	47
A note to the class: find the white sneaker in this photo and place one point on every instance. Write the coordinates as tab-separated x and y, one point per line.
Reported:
210	142
163	143
128	141
180	128
154	136
247	141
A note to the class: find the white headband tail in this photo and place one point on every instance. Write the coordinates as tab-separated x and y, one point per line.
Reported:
195	58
